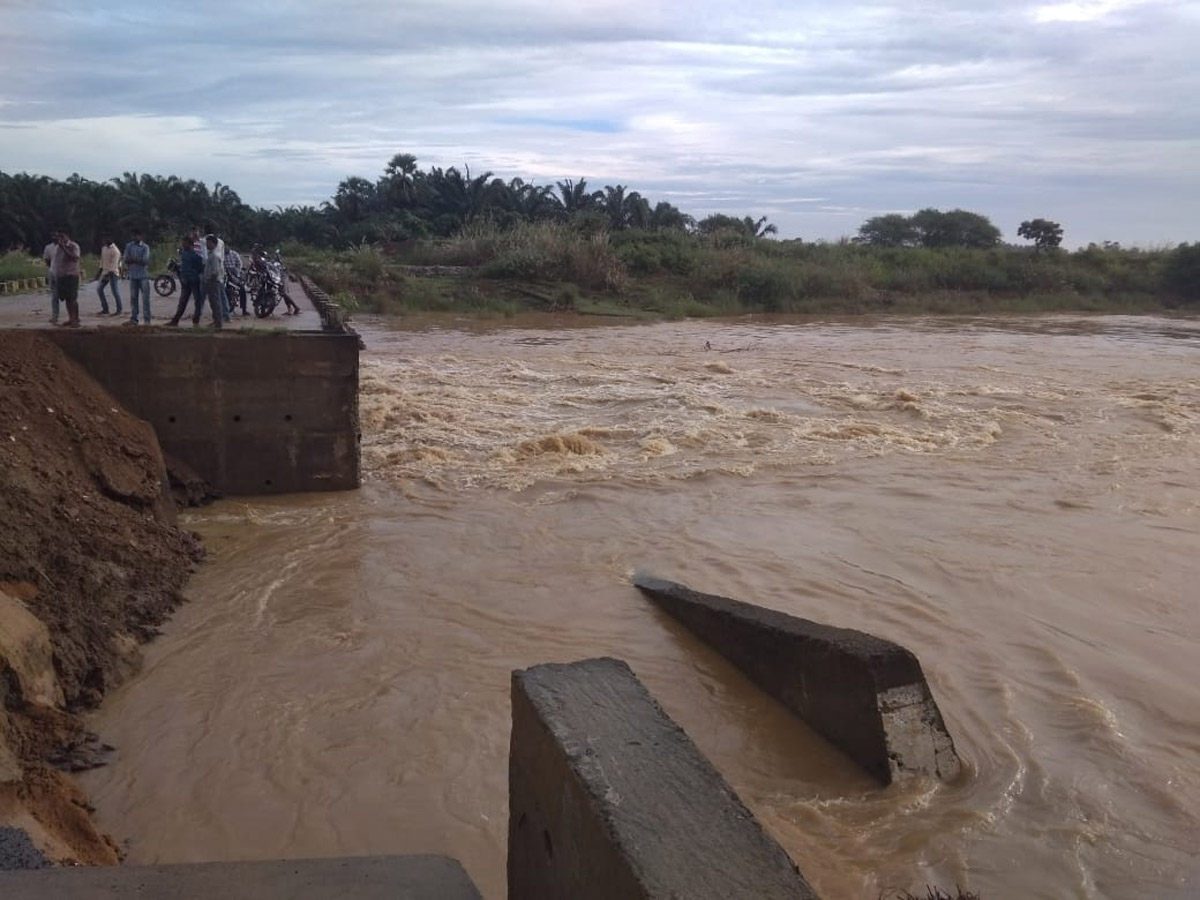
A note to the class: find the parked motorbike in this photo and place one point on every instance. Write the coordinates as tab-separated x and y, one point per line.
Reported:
165	285
266	285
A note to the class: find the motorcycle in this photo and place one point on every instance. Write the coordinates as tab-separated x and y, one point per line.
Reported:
266	285
165	285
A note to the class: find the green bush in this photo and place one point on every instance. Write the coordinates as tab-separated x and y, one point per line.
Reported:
1182	272
16	264
366	262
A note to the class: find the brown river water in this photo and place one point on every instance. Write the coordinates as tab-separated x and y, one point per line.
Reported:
1014	499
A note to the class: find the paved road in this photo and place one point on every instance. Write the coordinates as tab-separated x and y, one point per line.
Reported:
32	310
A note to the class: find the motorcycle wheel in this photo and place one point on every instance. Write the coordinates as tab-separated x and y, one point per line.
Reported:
164	285
264	304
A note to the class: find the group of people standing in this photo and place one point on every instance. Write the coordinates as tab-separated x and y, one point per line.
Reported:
62	263
208	273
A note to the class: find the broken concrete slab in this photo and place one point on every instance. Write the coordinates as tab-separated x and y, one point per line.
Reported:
360	878
610	799
866	695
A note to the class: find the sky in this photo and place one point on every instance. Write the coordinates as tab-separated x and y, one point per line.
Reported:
817	115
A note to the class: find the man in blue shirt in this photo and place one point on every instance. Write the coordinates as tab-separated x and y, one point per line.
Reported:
191	281
137	261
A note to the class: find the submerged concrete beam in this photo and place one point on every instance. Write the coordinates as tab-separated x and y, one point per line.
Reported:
361	878
610	800
866	695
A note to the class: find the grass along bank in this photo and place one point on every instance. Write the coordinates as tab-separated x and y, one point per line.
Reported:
676	274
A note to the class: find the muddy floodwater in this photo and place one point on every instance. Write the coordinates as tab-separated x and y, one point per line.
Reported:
1014	499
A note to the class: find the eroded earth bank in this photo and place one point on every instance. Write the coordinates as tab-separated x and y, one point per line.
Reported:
91	562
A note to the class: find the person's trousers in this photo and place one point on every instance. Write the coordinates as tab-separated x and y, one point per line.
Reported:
214	287
224	302
239	289
142	286
68	293
108	279
52	280
190	289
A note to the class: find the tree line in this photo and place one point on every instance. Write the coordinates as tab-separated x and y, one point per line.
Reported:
404	203
953	228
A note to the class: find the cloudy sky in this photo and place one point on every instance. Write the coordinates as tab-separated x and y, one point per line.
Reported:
815	114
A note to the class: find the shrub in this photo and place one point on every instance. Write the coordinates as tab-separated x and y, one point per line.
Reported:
1181	274
366	262
18	264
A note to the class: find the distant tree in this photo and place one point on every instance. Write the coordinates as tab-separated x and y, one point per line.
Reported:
891	230
1046	235
759	227
576	198
397	186
718	222
355	199
1182	272
667	216
956	228
747	225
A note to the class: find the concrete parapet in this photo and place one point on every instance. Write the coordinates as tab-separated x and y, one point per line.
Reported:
251	412
866	695
610	800
330	312
364	878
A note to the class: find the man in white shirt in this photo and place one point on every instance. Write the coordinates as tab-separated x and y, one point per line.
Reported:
214	281
110	276
199	243
51	276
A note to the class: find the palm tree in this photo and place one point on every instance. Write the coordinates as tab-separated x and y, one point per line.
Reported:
355	199
760	227
575	197
398	185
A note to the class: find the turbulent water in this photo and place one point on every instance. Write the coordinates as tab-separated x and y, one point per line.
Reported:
1014	499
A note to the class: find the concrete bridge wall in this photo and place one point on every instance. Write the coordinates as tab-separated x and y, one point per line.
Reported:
251	412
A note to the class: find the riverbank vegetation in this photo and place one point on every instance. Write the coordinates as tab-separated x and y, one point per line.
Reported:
674	274
505	246
16	265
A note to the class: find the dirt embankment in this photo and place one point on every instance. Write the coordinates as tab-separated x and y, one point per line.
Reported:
91	562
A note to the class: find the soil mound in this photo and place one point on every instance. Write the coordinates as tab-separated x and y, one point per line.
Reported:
90	547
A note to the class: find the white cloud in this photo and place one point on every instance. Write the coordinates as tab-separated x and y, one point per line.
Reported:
1081	111
1083	10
